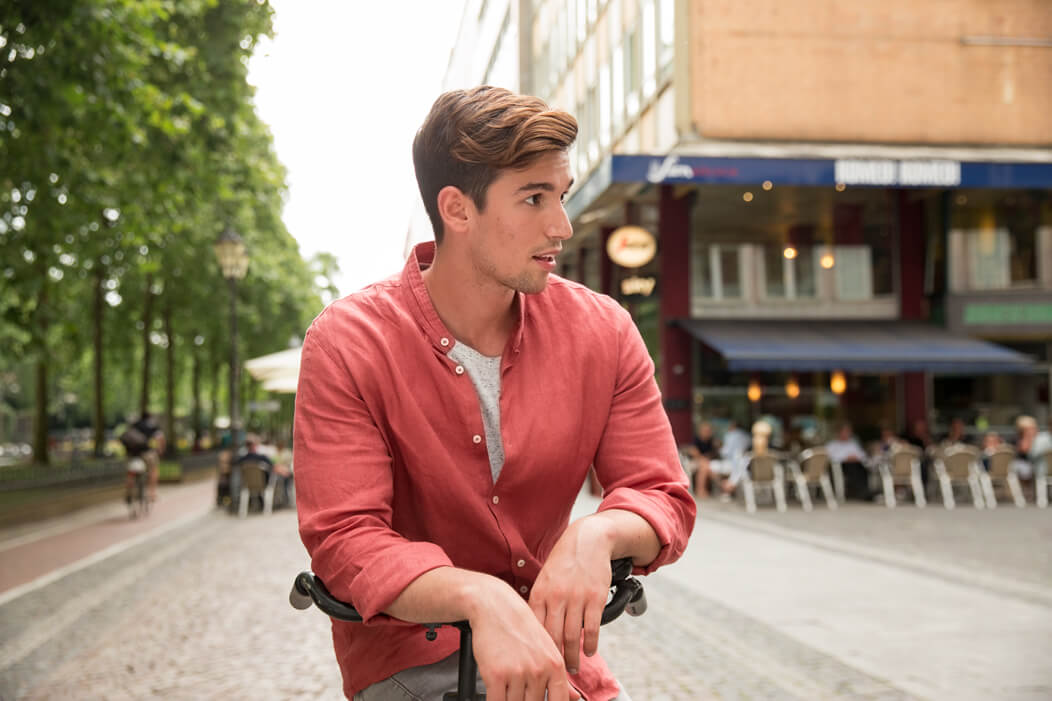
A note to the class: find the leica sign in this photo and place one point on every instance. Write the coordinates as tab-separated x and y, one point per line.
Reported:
631	246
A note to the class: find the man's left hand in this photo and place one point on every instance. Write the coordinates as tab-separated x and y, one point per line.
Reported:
571	590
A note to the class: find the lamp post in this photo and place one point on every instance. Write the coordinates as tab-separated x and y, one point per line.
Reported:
233	259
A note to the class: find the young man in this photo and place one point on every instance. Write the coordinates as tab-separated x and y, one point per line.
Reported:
446	419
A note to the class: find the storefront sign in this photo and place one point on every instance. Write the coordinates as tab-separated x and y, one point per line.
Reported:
631	246
901	173
1018	313
636	285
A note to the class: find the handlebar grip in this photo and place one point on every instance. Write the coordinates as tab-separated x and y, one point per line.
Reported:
637	606
299	597
307	583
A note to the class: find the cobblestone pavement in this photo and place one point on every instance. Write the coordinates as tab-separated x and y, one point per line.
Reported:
201	612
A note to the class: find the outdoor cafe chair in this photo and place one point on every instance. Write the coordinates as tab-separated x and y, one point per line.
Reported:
902	468
959	465
813	467
1042	472
764	471
1001	472
256	481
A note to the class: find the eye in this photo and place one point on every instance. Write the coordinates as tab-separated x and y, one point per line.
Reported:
533	200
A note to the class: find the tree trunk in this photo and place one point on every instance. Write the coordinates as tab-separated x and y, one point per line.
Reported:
147	322
40	445
99	417
169	398
195	390
213	434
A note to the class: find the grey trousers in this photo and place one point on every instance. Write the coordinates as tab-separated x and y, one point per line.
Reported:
426	683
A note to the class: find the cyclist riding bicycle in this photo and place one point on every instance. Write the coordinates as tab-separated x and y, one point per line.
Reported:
447	418
143	442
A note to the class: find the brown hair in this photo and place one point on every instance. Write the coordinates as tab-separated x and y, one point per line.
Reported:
471	135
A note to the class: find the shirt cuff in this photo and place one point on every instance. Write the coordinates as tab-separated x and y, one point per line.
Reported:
671	520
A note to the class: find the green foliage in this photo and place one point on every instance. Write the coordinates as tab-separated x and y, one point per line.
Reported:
128	141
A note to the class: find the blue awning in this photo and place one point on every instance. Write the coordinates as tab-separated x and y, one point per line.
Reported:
854	346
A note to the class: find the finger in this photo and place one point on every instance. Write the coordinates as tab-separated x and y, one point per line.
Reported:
559	689
593	617
496	691
572	638
516	690
553	623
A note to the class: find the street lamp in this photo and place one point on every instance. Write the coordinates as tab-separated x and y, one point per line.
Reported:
233	259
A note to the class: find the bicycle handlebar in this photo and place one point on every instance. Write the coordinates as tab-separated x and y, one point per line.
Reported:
628	596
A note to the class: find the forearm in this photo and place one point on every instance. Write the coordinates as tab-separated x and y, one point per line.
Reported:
627	534
448	594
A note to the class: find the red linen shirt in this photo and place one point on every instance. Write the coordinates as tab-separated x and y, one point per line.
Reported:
393	475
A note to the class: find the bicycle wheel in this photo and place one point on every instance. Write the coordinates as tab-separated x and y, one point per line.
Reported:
144	502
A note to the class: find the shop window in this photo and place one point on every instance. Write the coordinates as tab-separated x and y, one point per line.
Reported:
789	276
666	34
632	73
649	47
999	232
717	271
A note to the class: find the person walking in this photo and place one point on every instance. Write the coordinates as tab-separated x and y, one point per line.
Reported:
446	419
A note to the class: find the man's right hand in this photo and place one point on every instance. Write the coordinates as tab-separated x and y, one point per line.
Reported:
516	656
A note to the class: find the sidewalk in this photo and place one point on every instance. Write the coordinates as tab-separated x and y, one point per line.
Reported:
785	606
30	551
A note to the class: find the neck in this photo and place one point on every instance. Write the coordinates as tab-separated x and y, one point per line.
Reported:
478	312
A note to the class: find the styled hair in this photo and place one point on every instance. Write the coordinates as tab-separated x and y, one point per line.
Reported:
469	136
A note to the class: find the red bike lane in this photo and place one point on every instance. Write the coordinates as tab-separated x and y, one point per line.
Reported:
59	544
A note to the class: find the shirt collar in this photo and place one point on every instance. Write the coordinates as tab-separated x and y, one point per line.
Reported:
420	258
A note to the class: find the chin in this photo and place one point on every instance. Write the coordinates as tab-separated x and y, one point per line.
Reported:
530	285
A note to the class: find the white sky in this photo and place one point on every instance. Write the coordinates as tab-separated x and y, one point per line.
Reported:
344	85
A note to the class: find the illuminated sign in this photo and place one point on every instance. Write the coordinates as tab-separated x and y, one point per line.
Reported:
636	285
631	246
905	173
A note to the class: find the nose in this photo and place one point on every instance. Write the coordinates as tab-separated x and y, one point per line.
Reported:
560	229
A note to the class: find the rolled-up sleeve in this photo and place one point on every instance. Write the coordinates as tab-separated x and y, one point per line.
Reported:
637	462
344	488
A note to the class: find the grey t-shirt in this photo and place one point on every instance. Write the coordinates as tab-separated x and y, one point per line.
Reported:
484	372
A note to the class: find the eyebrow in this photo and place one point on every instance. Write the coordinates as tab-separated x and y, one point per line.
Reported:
547	187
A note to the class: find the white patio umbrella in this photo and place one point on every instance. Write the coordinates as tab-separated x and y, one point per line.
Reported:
277	371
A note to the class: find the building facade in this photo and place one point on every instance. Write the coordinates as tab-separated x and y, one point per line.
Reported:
848	204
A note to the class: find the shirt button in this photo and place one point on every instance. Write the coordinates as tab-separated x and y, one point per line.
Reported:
460	369
521	563
476	439
524	589
444	341
496	499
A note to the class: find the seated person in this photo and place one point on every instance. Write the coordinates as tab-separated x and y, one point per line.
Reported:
703	451
845	449
957	433
252	454
283	475
1030	443
728	470
991	442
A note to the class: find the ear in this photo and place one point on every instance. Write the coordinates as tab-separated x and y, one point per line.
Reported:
455	208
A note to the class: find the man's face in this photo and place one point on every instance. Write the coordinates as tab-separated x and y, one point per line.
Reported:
519	234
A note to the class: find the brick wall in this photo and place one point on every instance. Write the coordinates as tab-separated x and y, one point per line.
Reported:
893	71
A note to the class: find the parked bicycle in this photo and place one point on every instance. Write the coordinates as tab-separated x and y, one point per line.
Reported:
626	596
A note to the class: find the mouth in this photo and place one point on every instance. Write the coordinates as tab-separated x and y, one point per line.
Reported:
546	261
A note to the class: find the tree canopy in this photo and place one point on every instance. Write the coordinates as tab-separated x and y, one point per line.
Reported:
128	142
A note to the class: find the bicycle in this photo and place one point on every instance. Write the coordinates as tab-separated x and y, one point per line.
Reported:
626	596
135	495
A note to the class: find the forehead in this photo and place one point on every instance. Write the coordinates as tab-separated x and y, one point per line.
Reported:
551	168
